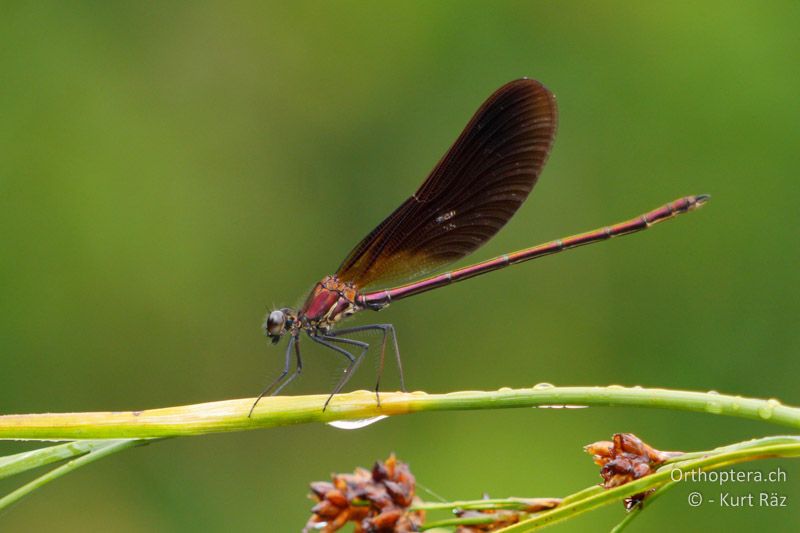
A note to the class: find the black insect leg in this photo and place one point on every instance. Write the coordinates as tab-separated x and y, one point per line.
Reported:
326	341
386	329
294	342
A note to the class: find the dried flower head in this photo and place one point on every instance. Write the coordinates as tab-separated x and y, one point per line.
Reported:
625	459
377	500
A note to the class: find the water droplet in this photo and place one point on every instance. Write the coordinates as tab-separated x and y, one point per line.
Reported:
773	403
543	386
712	392
637	387
504	389
615	387
765	411
356	424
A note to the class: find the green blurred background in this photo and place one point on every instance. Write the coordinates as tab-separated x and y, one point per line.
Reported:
170	171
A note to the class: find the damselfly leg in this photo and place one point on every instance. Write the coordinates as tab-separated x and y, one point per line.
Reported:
280	383
387	330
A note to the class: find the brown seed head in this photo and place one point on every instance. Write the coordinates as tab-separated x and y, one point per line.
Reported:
625	459
377	500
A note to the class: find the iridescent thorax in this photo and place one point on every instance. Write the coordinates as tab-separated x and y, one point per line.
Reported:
329	301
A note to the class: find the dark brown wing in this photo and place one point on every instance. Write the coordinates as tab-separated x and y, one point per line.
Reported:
472	192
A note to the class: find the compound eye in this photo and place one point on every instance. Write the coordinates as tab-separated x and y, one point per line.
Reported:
275	322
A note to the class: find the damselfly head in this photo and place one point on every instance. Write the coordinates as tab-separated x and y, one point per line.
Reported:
277	322
700	199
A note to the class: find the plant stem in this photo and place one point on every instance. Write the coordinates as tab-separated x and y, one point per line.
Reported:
590	500
515	504
471	521
742	451
98	452
20	462
231	415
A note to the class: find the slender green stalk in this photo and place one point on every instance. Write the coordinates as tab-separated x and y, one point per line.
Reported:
98	451
231	415
592	499
744	445
494	504
449	522
20	462
514	504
